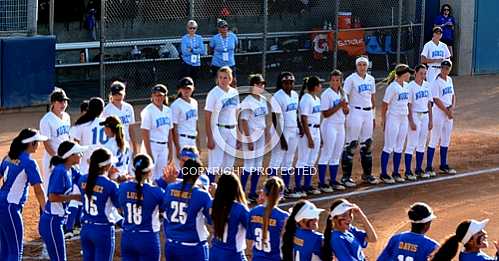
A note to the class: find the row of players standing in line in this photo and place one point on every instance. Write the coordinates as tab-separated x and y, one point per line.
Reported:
189	211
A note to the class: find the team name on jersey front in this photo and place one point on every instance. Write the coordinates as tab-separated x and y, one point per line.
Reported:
447	90
63	130
230	102
403	96
126	119
190	114
422	94
292	106
316	109
437	53
162	121
260	111
364	88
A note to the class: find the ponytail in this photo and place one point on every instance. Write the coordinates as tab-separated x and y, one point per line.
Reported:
139	177
327	251
448	250
303	86
120	137
289	232
190	172
56	160
16	148
142	165
94	170
390	78
273	188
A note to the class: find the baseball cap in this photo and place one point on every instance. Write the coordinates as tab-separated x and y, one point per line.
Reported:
341	209
475	227
36	137
110	121
361	59
257	78
117	87
160	88
446	63
288	78
222	23
437	29
420	213
308	211
58	94
186	82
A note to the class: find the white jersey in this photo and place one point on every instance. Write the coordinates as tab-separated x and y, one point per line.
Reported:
158	122
55	128
185	115
287	105
433	51
443	90
126	115
419	96
123	157
360	90
310	106
254	111
223	105
397	97
89	134
330	99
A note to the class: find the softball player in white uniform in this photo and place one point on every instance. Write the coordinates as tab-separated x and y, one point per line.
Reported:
55	125
185	118
310	140
124	111
334	107
119	147
442	90
284	104
434	52
87	131
254	111
360	88
395	122
221	112
156	128
420	121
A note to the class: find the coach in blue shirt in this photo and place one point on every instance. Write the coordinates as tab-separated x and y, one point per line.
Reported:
192	49
224	45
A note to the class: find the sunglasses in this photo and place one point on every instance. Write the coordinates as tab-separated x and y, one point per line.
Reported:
192	28
260	83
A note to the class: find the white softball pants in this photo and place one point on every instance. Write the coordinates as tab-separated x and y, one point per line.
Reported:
307	156
281	158
416	139
333	136
395	133
359	125
442	128
253	160
222	157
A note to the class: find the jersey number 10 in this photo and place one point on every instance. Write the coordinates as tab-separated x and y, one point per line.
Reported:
99	136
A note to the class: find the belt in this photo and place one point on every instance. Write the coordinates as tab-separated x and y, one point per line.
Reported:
185	243
436	66
364	109
98	224
422	112
139	231
314	125
187	136
159	142
226	126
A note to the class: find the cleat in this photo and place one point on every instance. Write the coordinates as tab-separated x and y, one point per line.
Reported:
349	183
387	179
372	180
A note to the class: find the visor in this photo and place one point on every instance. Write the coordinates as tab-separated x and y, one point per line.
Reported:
308	211
361	59
341	209
475	227
36	137
75	150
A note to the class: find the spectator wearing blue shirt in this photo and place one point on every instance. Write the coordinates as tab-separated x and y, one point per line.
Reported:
193	48
301	241
412	245
60	192
472	235
447	22
224	46
342	239
230	220
17	171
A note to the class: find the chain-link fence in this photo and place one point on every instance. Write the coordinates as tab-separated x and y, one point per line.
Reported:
141	39
17	16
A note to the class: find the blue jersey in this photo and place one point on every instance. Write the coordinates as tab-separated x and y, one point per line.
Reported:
307	245
408	244
101	208
141	216
17	174
60	183
476	256
187	212
270	248
234	238
448	32
348	246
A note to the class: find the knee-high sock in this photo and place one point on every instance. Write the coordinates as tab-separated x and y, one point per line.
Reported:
286	178
385	156
255	175
322	174
244	179
429	158
211	176
443	156
396	162
333	171
298	176
308	177
408	163
419	161
272	172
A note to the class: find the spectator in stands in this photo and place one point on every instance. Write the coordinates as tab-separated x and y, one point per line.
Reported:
192	49
224	45
447	22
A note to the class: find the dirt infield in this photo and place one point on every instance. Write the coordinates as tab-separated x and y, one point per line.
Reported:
475	145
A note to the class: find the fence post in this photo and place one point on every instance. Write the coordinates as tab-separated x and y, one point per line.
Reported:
191	9
421	38
399	30
265	31
102	75
51	17
31	17
336	32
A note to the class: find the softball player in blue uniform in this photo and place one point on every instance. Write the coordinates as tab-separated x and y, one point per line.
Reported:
100	202
266	223
17	171
301	241
187	211
60	192
472	234
341	238
412	245
230	220
142	203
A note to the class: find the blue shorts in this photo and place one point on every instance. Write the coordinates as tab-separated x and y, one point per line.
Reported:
181	251
50	228
11	232
220	254
140	246
97	242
